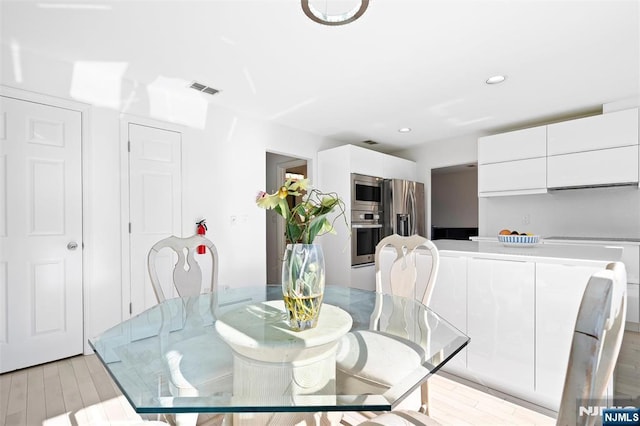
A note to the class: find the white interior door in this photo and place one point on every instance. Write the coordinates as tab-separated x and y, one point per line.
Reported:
41	316
155	203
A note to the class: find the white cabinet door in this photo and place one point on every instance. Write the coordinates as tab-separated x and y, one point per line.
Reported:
501	322
398	168
449	301
592	133
366	162
522	176
518	145
559	290
602	167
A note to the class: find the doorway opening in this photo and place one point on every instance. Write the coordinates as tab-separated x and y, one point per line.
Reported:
454	202
277	168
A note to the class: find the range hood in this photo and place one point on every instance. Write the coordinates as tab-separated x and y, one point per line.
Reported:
589	186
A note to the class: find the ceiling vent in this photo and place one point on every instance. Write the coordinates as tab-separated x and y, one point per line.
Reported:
203	88
370	142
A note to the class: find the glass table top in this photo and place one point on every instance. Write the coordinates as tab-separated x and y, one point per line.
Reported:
172	358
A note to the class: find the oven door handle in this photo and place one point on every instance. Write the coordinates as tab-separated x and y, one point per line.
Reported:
364	226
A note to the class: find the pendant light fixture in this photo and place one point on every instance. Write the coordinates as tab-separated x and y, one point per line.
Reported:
334	12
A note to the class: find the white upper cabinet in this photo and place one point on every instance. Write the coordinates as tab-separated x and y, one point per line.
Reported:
518	145
366	162
611	130
602	150
371	163
597	168
399	168
512	177
599	150
513	163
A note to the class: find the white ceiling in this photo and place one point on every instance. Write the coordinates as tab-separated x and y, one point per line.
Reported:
406	63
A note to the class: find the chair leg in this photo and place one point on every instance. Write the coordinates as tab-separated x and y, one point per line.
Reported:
424	398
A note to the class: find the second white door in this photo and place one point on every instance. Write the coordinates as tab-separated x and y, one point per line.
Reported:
155	202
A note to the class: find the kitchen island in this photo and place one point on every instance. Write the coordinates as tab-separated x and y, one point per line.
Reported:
518	306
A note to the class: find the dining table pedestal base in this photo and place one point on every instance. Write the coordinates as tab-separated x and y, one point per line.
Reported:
274	362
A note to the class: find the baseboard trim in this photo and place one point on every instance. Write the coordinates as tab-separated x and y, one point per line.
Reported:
498	394
632	326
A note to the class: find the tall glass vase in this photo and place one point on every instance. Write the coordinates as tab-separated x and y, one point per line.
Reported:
303	284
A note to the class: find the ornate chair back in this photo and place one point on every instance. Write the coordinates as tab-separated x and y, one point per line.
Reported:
187	272
408	270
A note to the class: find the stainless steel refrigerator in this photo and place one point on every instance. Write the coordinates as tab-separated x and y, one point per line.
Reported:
403	207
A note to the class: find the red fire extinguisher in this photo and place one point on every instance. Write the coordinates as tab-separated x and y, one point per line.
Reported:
202	230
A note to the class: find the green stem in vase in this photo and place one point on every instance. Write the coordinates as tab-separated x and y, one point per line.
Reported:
303	308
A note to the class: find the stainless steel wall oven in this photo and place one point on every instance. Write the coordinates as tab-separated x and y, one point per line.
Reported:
366	233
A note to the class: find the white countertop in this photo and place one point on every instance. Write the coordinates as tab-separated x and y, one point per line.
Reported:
553	253
597	240
573	240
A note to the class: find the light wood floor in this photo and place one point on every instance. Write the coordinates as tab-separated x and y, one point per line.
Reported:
78	392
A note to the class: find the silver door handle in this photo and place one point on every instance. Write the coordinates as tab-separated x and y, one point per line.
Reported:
72	245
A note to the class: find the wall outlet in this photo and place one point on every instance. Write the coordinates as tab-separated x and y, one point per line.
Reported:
526	219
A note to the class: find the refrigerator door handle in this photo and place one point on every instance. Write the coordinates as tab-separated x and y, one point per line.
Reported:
412	223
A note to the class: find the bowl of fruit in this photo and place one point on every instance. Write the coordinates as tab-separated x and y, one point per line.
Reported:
517	239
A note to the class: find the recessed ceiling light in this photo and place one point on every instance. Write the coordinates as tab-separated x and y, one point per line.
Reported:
404	130
495	79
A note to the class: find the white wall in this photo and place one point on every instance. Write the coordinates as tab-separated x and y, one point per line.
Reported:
223	165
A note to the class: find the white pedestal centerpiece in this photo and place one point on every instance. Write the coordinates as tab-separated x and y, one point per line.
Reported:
271	360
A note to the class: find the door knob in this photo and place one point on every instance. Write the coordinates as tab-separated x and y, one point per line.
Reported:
72	245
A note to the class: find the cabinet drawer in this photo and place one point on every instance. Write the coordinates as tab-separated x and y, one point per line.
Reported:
512	176
518	145
609	130
602	167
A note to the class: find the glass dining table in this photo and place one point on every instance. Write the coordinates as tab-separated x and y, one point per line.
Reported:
231	351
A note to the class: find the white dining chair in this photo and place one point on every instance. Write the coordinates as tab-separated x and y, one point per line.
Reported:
186	272
192	366
595	346
370	361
